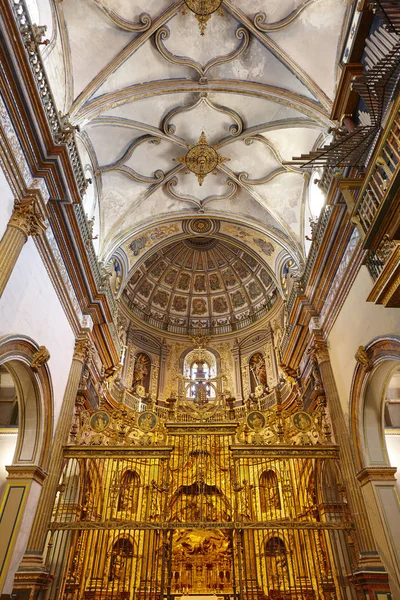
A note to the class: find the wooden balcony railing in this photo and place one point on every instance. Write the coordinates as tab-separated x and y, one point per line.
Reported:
378	188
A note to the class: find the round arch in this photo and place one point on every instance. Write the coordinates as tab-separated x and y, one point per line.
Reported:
35	398
376	364
370	380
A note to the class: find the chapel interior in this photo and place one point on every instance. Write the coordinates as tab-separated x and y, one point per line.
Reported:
199	299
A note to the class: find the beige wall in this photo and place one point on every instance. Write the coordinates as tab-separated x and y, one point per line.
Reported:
30	306
358	323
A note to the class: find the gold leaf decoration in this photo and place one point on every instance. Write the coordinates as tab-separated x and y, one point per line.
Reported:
201	159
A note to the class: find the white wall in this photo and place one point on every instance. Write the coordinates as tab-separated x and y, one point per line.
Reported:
6	203
358	323
30	306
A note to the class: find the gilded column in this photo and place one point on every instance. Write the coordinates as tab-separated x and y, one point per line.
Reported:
35	547
26	220
369	557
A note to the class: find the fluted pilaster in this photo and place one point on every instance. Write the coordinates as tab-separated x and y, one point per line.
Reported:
365	539
37	537
26	220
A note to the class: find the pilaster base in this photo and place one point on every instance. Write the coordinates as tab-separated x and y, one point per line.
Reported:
31	578
370	579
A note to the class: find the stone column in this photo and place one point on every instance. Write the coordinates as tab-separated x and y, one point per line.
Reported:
35	548
26	220
369	559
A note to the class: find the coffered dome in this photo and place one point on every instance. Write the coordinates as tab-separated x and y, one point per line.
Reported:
201	282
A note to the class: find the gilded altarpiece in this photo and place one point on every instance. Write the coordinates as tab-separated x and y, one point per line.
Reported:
242	508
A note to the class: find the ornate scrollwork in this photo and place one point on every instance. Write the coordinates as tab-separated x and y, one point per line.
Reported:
40	358
28	218
244	177
120	165
260	18
235	129
200	203
163	34
144	23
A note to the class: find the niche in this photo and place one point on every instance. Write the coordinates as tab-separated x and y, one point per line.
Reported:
269	491
129	492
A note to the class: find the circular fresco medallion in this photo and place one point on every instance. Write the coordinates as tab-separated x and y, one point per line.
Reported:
256	420
203	7
201	226
99	421
302	421
147	421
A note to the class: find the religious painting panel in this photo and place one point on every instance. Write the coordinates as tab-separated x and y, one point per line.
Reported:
238	299
161	298
199	306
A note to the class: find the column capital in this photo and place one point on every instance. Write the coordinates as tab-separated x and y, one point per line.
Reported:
28	217
83	350
319	348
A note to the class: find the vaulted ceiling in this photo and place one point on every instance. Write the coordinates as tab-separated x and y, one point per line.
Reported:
143	82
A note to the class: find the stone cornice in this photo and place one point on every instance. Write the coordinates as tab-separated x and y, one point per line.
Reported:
377	473
30	472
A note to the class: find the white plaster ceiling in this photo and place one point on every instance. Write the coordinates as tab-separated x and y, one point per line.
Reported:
278	91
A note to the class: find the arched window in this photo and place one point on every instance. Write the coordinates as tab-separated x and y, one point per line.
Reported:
200	368
129	492
269	491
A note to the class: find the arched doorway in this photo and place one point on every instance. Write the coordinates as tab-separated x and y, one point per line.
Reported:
375	380
8	422
26	401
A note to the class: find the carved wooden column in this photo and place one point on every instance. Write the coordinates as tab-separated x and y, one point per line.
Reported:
27	219
370	574
32	561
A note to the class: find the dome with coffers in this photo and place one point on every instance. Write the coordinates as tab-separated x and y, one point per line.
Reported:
200	282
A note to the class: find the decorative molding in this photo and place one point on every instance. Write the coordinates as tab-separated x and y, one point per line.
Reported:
40	358
236	129
163	34
144	23
244	177
199	203
260	19
119	165
363	359
378	473
31	472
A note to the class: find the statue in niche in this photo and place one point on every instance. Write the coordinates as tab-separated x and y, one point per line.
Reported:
121	551
258	372
276	555
129	490
269	491
141	374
